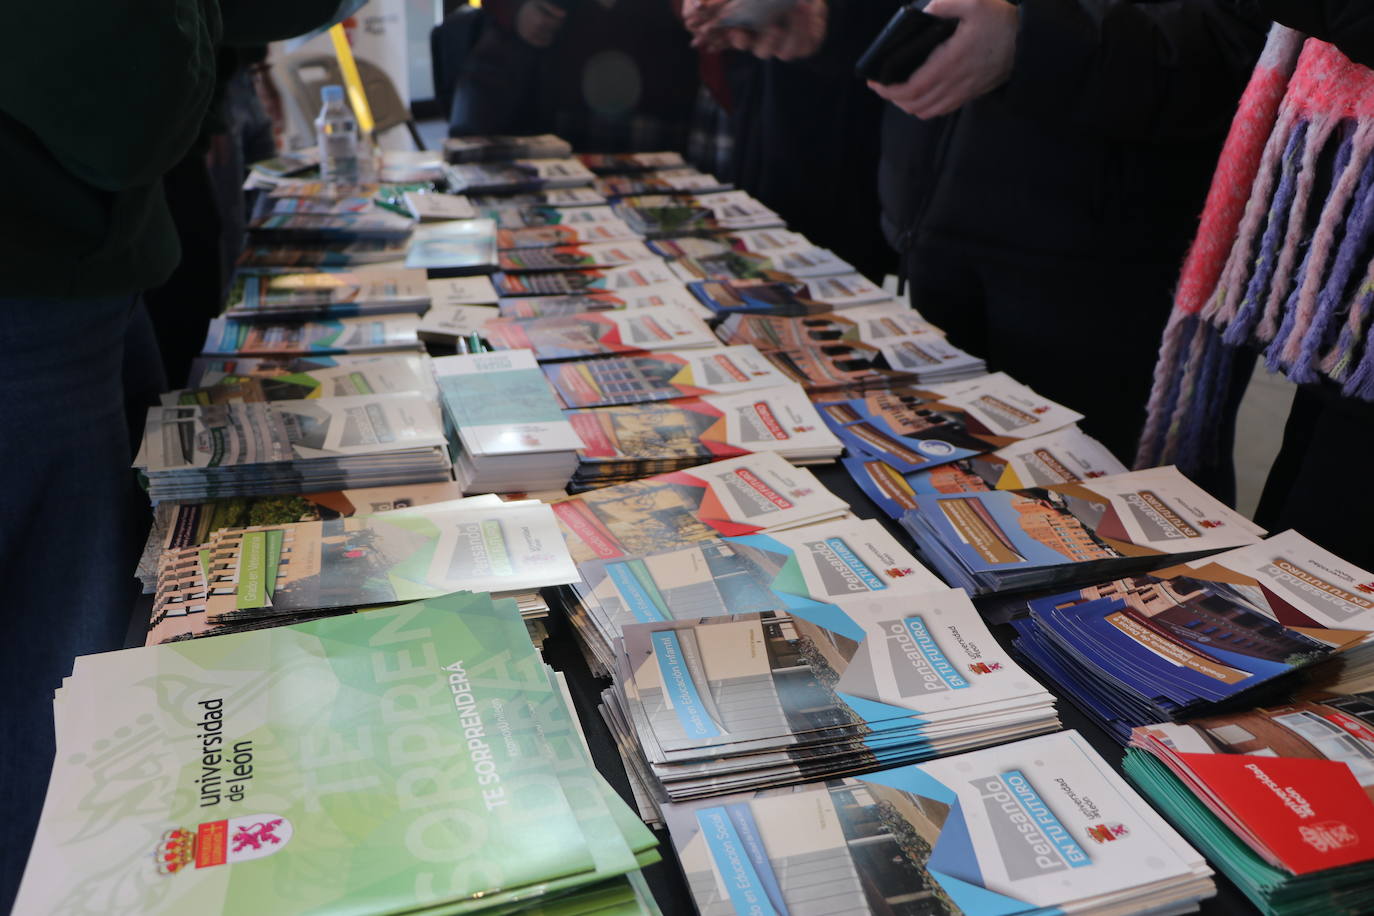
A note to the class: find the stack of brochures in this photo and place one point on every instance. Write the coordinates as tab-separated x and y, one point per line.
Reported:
749	573
631	441
751	494
788	297
373	375
588	256
187	524
258	293
455	248
630	163
239	337
1233	629
516	176
1067	455
750	701
602	333
489	148
288	221
550	197
1009	540
278	775
297	446
505	423
662	376
685	180
267	575
1281	799
559	228
341	253
604	301
626	278
669	215
1034	827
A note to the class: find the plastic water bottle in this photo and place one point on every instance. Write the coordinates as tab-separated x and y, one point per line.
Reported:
337	131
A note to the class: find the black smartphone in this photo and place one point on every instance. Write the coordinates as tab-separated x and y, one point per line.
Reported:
903	44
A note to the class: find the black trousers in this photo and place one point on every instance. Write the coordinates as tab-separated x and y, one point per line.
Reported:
1084	332
1316	484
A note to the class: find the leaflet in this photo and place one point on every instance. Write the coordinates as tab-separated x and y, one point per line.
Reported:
562	235
385	375
1038	825
574	282
283	431
594	255
261	292
744	495
231	337
462	291
501	404
780	419
661	376
641	297
602	333
458	247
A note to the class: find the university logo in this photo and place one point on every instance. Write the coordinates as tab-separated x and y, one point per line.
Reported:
802	429
1328	835
1367	588
1210	523
897	572
237	839
1107	833
984	667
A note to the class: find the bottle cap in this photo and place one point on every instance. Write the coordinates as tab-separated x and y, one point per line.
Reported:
331	94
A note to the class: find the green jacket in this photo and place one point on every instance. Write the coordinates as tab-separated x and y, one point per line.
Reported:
97	101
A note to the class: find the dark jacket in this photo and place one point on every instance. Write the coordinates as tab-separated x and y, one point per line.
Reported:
96	104
1101	145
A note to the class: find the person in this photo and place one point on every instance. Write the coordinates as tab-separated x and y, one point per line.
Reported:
84	229
1041	174
1245	287
605	75
817	175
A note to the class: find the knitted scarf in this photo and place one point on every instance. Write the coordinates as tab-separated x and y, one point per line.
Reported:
1282	259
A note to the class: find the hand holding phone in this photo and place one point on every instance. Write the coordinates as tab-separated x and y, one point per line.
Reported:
951	69
904	44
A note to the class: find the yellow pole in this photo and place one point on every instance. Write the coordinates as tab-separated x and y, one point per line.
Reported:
352	81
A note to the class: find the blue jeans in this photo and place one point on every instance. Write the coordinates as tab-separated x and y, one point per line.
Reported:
74	377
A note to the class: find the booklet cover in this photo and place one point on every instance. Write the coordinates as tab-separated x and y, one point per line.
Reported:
453	248
661	376
518	176
663	181
602	333
1134	516
385	375
575	282
265	760
284	431
438	207
1040	825
626	163
510	218
335	292
566	234
885	666
830	369
258	574
780	419
341	253
667	215
449	323
210	370
462	291
742	495
641	297
550	197
757	296
1295	782
231	336
1003	410
501	404
501	148
576	257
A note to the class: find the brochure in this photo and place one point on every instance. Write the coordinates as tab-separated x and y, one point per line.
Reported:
602	333
661	376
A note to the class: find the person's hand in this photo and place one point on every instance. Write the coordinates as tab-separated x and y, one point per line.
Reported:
795	34
973	61
538	22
